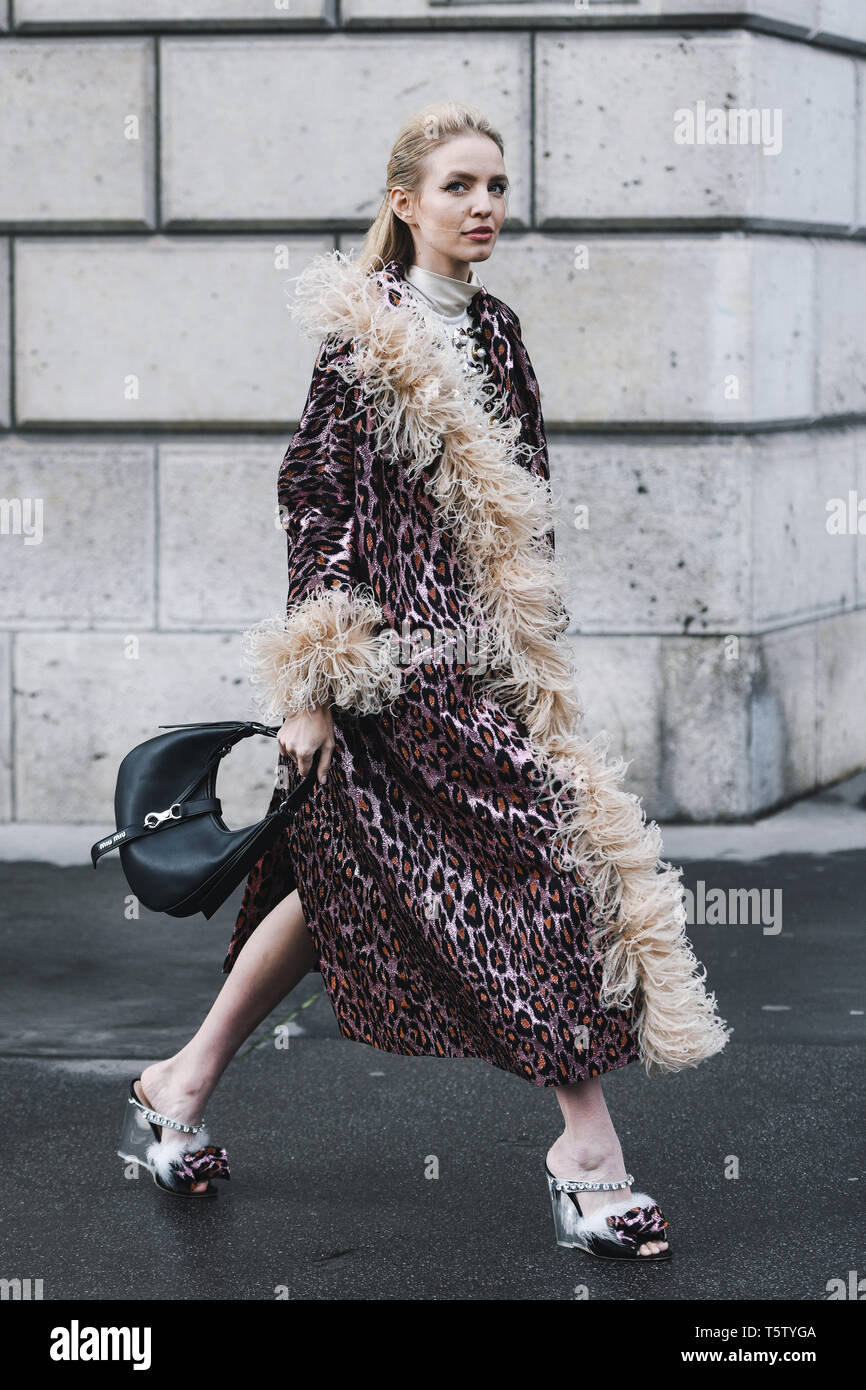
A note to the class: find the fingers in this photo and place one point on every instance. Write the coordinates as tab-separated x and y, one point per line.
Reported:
302	735
303	758
325	759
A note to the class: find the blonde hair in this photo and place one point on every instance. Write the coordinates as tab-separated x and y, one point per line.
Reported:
389	238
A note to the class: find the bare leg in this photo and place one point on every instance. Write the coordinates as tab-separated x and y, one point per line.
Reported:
277	955
589	1149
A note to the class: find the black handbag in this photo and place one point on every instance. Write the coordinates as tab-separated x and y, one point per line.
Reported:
196	867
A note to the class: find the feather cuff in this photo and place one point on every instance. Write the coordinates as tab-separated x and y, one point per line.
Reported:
325	651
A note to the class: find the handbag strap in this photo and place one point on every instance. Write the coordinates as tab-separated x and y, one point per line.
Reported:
170	816
289	805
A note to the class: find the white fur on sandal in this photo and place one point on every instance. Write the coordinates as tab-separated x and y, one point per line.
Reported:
162	1152
596	1224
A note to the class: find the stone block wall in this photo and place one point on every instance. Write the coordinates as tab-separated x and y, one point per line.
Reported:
695	310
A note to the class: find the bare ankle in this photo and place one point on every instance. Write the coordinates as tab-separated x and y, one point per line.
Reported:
592	1153
175	1078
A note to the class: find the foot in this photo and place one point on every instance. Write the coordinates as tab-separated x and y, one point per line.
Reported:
161	1089
576	1162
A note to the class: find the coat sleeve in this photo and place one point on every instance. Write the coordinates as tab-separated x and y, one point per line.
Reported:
333	645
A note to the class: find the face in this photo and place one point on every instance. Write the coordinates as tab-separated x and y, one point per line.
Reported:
463	191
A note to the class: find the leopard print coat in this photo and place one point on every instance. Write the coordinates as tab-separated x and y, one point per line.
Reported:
454	909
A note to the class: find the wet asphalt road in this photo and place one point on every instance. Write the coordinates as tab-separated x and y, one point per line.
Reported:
756	1156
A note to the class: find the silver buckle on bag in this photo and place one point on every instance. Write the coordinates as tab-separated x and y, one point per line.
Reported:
155	818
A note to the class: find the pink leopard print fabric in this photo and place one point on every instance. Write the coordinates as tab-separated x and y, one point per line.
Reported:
638	1225
203	1164
442	921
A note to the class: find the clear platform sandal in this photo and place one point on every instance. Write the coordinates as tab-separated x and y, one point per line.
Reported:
177	1163
613	1232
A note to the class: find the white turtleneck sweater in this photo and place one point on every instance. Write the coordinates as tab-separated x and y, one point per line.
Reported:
447	297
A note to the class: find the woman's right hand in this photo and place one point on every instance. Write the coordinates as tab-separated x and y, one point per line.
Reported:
303	733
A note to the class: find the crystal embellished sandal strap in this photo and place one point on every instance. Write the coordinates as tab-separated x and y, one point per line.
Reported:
577	1185
157	1119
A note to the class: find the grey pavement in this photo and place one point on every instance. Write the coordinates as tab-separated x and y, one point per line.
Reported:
331	1142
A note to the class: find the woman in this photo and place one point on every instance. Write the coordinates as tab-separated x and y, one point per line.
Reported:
471	880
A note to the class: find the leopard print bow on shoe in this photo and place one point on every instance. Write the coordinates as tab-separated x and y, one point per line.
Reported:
209	1162
638	1225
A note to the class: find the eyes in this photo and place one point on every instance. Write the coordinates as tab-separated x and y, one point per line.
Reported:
496	184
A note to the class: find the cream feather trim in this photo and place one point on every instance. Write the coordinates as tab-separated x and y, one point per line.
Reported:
325	651
432	415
